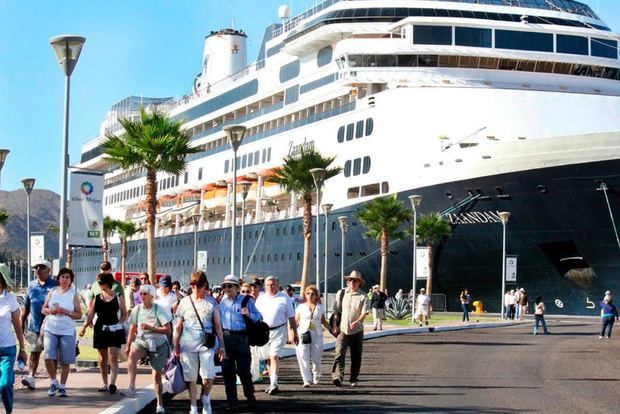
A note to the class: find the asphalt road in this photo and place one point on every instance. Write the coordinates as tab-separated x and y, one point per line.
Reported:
495	370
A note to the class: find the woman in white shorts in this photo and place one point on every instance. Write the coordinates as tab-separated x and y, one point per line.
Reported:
310	316
197	318
62	307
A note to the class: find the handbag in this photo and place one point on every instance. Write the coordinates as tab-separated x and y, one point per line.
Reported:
209	339
77	348
306	337
258	332
174	375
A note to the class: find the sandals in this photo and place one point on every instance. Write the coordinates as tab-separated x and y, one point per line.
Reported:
103	389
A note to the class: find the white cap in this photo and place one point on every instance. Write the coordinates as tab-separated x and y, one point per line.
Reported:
42	262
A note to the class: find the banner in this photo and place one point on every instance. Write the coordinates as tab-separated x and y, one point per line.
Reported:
85	209
511	269
37	248
423	262
202	260
114	264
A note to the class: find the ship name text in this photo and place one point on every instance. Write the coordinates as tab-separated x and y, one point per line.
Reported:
296	149
475	217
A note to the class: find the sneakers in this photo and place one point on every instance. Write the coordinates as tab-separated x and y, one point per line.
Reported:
337	382
28	382
160	410
112	389
273	390
129	393
62	392
306	385
53	390
353	384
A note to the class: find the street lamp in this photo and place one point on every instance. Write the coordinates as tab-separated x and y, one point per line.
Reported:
415	203
196	218
67	49
28	186
318	175
245	188
235	134
3	155
327	208
504	216
344	227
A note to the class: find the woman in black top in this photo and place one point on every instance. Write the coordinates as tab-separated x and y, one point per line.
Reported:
109	334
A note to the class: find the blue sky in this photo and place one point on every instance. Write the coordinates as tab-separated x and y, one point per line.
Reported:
134	47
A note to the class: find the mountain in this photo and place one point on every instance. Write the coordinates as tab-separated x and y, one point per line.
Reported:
44	212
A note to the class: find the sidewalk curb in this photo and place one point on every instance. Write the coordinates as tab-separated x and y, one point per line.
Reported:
146	395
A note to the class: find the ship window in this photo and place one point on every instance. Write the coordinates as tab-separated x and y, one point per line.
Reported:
256	157
386	60
268	154
290	257
427	60
357	164
272	51
291	95
341	134
200	174
370	190
317	83
432	35
347	168
292	230
359	129
470	36
264	154
366	166
284	231
604	48
185	177
350	130
369	126
250	159
298	256
407	60
575	45
511	39
324	56
353	192
244	161
385	187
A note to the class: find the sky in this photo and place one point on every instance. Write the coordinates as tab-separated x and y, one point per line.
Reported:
150	48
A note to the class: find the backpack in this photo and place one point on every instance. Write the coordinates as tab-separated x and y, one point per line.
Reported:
258	332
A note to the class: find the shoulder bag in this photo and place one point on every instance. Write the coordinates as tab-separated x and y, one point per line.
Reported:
258	332
209	340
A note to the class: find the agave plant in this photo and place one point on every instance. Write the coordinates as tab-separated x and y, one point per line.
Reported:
398	309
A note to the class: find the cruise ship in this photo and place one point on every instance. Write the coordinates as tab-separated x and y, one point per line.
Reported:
479	106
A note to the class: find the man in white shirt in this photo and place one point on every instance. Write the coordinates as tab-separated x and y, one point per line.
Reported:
276	308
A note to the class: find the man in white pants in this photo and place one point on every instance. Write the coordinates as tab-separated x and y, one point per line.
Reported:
276	308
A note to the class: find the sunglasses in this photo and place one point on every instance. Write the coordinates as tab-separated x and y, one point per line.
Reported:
143	293
246	291
144	278
39	267
228	285
312	293
353	280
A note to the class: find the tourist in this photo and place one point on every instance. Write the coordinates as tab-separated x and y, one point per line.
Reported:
10	330
109	334
62	308
539	316
104	267
197	317
508	304
165	296
252	289
145	278
132	295
609	314
309	316
237	361
522	304
517	300
424	307
399	294
465	299
352	305
148	335
377	304
277	309
176	289
36	294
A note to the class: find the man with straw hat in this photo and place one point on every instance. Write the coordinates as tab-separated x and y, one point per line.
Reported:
352	306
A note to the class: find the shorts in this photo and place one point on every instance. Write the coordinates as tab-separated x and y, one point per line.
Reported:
32	339
277	340
191	360
59	347
157	359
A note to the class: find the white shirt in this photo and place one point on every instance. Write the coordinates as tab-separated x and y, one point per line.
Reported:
423	302
8	305
309	320
276	310
192	337
167	301
61	324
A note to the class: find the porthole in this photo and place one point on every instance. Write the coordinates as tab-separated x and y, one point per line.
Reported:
369	126
340	135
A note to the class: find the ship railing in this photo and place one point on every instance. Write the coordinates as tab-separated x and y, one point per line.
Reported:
294	22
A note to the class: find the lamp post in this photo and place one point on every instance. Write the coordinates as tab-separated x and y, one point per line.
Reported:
21	272
28	186
415	203
245	188
327	208
3	155
67	49
344	227
504	216
196	219
318	175
235	134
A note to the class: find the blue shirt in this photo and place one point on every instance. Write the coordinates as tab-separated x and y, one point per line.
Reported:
35	298
609	309
230	313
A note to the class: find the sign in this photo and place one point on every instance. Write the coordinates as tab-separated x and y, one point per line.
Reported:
37	248
201	262
511	269
423	262
114	263
85	210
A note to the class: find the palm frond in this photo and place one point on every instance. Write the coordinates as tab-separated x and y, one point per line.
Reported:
432	228
384	214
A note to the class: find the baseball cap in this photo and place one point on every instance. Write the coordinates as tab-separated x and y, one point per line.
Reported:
165	281
42	262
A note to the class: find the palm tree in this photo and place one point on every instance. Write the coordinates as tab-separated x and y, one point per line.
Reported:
4	215
125	229
432	229
157	144
109	227
295	177
382	218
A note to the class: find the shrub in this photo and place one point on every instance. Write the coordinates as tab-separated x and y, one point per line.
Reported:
398	308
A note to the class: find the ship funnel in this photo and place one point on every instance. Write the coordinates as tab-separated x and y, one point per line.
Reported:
225	53
284	13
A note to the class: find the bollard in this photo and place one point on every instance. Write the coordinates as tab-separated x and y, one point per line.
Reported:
478	306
